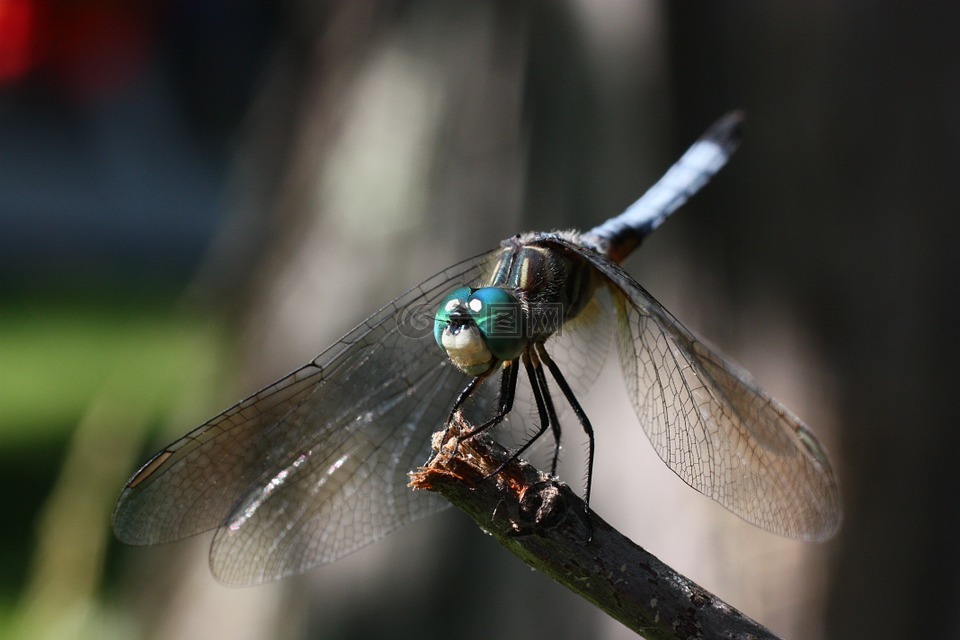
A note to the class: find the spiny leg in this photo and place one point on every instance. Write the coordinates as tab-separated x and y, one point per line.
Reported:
577	410
508	391
551	412
545	408
467	391
465	394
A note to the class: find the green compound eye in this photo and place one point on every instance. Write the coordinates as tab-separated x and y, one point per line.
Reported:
497	314
441	320
479	328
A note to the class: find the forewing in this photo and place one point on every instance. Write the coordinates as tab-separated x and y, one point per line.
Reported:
712	425
347	485
314	466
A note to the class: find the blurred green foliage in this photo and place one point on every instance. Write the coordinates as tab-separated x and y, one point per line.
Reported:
82	381
56	356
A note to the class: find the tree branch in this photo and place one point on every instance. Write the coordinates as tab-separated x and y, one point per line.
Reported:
549	527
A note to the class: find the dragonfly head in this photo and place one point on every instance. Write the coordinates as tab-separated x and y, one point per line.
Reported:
479	328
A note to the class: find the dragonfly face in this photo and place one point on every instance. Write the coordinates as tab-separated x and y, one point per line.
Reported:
479	328
316	465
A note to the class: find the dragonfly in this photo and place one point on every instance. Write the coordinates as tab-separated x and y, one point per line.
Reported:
315	466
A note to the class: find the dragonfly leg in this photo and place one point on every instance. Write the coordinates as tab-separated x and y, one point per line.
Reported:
508	390
542	394
548	415
466	393
577	410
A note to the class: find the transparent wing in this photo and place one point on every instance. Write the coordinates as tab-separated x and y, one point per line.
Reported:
712	425
580	347
314	466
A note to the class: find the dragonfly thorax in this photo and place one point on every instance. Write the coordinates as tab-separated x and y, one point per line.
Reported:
479	328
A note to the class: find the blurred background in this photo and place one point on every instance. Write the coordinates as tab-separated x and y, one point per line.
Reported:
199	196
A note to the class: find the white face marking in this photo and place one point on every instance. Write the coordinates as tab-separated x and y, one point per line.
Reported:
465	341
475	305
467	350
451	306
